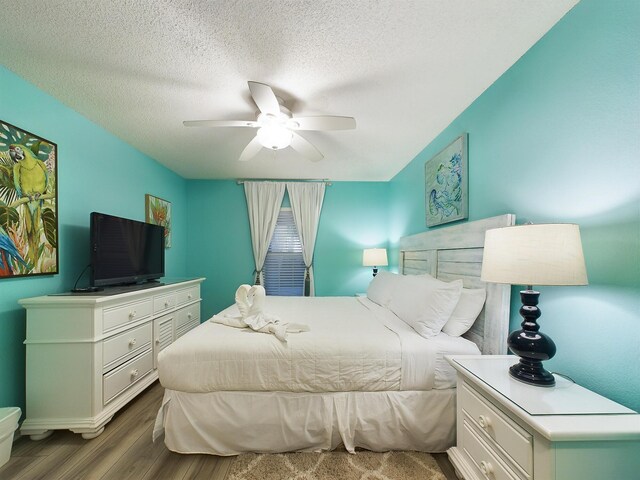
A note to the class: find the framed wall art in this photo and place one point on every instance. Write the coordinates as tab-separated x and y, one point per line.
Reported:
158	212
28	203
446	184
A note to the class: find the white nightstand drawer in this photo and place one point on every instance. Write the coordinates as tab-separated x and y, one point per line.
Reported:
601	442
187	295
487	461
121	315
122	377
123	346
514	441
162	303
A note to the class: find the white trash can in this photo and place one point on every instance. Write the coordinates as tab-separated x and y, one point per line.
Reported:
8	424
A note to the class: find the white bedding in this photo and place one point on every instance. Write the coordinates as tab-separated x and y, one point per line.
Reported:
230	423
353	345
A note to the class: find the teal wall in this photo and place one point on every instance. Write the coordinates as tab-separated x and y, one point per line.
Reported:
96	172
353	218
219	245
557	139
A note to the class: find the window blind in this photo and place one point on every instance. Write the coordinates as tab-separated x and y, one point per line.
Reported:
284	266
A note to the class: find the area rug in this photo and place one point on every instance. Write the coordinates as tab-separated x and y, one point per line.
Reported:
336	465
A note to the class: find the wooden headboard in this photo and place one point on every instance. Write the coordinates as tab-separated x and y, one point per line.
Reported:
456	252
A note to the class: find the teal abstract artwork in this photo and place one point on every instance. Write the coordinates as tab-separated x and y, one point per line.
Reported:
446	184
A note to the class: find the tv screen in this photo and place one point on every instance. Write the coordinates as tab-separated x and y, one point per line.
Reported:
125	251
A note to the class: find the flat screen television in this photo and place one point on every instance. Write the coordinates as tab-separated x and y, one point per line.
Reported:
124	251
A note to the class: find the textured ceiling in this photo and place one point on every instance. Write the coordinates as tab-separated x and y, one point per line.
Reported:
404	69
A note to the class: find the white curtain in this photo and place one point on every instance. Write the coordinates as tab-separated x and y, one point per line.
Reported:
263	204
306	203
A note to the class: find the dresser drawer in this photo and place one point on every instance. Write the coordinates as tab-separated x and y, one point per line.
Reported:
513	440
123	314
484	458
121	347
118	380
187	295
188	315
162	303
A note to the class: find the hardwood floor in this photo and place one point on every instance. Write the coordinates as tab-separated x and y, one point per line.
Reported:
123	451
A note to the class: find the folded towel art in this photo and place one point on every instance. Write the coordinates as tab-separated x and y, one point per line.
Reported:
250	302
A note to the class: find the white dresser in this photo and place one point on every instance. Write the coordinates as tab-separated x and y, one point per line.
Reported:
508	430
88	355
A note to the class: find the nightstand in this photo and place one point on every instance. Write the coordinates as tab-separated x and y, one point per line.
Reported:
509	430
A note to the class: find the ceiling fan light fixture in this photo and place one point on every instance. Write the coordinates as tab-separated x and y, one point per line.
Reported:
266	119
274	137
276	128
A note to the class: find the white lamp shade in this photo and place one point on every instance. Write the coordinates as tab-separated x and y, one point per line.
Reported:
374	257
542	254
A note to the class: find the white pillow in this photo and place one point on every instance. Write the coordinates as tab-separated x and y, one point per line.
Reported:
468	308
425	303
381	287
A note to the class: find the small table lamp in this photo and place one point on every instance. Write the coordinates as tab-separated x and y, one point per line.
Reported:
545	254
374	257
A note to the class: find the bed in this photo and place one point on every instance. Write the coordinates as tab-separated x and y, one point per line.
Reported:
361	377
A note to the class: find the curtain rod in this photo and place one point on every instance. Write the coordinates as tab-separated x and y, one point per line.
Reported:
241	181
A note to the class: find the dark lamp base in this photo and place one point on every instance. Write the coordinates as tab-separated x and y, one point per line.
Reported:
532	373
531	345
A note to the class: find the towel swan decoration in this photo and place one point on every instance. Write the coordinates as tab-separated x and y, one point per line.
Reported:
250	302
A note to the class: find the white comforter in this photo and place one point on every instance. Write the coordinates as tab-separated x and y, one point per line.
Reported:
353	345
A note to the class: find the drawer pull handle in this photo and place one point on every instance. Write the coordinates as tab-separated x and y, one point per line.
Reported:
485	422
486	468
166	304
132	342
134	373
157	341
132	314
189	316
189	296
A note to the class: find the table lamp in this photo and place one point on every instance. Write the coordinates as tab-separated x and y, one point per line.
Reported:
543	254
374	257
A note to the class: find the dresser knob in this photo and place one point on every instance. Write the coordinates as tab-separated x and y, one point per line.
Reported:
189	316
166	304
132	314
486	468
189	296
485	422
157	341
134	373
132	342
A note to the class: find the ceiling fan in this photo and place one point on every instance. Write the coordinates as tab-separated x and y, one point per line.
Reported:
277	128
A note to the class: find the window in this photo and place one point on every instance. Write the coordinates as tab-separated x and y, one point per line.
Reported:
284	266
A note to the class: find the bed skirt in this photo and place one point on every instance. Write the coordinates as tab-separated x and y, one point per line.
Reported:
230	423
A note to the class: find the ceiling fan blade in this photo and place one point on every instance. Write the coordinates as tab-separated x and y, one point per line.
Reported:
322	123
251	150
220	123
264	97
303	147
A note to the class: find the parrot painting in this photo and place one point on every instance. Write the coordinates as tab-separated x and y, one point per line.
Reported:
8	251
31	179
